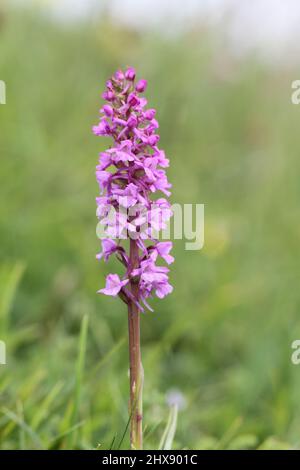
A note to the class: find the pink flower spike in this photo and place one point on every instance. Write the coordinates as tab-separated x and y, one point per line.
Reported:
129	173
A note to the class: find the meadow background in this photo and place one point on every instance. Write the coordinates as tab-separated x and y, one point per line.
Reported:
223	338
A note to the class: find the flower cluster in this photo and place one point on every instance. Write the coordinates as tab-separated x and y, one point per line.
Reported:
128	174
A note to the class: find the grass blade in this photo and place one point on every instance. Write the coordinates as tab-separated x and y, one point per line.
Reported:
24	426
169	432
79	378
9	283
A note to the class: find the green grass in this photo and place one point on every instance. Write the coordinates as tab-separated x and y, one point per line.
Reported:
223	337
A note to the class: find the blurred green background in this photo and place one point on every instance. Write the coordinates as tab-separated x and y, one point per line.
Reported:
223	338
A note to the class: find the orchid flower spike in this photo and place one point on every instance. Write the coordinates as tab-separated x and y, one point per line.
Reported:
129	174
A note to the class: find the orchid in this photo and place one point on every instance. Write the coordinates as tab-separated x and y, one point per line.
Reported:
129	174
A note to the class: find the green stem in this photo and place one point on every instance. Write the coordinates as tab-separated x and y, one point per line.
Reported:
136	368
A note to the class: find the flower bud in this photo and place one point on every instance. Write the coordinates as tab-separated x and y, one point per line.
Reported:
119	75
132	121
130	74
108	95
108	110
141	86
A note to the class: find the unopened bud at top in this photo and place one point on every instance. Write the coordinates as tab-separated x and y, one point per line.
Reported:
119	75
130	74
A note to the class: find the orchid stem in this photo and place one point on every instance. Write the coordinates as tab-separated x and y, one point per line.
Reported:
136	368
